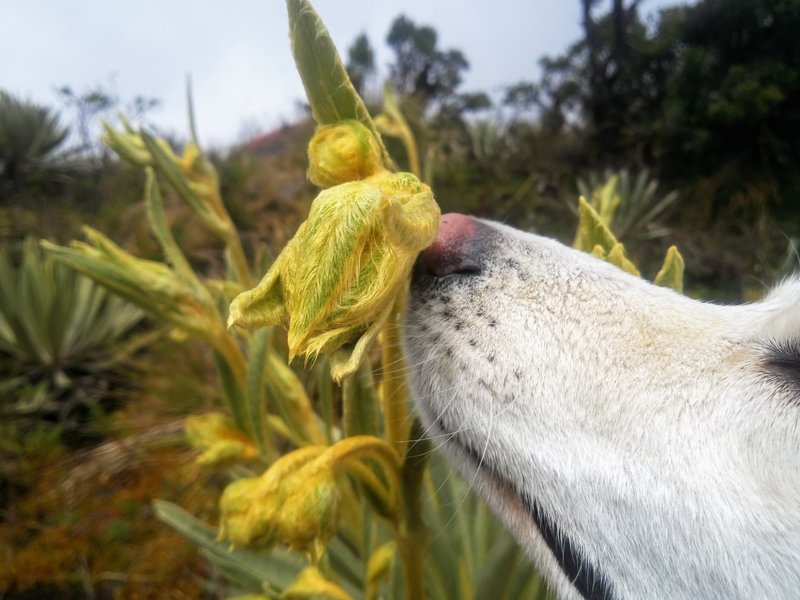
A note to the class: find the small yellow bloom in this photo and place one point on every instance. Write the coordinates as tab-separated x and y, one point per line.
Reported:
346	151
295	502
335	281
312	585
218	439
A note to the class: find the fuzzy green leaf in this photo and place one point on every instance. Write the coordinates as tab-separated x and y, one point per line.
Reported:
329	90
592	231
158	223
595	237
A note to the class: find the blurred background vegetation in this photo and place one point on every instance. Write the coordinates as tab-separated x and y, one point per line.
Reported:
693	115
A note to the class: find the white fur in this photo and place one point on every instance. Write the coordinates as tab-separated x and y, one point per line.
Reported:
640	420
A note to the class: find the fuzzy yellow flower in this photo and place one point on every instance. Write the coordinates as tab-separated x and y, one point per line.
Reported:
295	502
218	439
335	282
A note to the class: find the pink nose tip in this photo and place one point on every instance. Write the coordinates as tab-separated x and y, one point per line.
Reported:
454	250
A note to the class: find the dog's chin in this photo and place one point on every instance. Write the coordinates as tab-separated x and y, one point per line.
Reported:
494	486
538	533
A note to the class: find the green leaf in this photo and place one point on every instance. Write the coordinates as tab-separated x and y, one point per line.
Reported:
167	168
289	399
278	568
359	403
95	263
234	394
158	223
329	90
592	231
256	399
595	237
671	273
325	394
497	572
347	566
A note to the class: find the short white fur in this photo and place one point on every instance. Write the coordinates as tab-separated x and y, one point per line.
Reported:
640	420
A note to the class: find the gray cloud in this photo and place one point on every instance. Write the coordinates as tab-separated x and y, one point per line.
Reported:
238	52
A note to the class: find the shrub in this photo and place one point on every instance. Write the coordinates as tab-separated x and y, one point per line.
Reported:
29	134
63	339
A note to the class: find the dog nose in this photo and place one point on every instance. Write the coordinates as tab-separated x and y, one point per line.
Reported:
457	248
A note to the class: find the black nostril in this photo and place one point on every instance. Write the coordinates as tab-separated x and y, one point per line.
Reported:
459	247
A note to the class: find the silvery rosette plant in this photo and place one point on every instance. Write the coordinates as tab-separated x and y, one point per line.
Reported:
334	491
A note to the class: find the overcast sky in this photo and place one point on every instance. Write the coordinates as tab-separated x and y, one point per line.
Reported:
238	55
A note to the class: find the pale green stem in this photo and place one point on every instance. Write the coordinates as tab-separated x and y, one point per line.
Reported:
228	348
411	149
394	390
238	259
412	538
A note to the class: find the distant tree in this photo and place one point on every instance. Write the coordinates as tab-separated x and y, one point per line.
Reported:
90	105
361	62
522	95
473	101
420	68
86	107
732	94
29	135
705	91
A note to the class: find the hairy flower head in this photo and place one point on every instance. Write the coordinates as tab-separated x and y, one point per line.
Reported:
295	502
345	151
335	282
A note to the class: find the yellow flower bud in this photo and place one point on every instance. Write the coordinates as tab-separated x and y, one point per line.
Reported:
218	439
128	145
295	502
201	177
335	281
346	151
312	585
